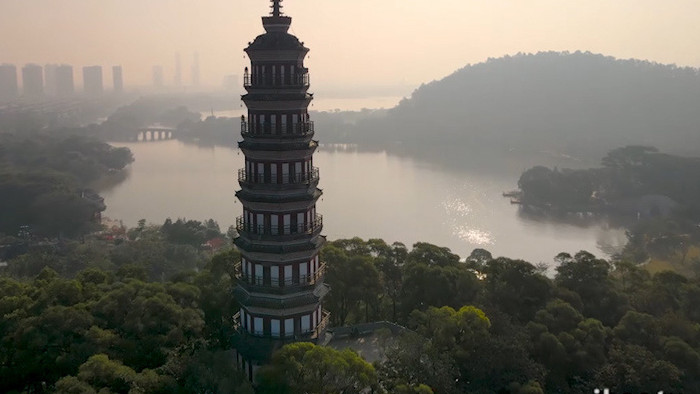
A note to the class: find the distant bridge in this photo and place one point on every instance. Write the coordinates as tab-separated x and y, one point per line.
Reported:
155	133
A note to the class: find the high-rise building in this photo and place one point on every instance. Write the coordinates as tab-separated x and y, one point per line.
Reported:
195	69
158	76
8	82
32	80
63	84
117	79
92	80
177	79
280	276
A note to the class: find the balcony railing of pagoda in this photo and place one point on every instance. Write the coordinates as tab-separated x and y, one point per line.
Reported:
285	286
308	335
279	179
277	81
281	130
275	230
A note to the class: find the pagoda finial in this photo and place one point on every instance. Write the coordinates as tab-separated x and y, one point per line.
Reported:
276	7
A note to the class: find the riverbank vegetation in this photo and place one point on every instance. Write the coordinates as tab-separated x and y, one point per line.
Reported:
633	180
45	180
657	195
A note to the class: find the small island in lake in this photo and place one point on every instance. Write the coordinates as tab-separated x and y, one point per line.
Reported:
633	180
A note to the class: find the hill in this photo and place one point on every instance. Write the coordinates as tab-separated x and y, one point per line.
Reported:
570	102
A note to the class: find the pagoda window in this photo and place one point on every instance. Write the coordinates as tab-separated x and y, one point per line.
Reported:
258	326
275	223
287	223
258	279
273	124
273	172
303	273
300	222
288	327
263	73
260	174
297	169
284	119
305	324
259	222
250	271
275	275
275	328
274	75
266	276
287	274
282	75
285	173
250	324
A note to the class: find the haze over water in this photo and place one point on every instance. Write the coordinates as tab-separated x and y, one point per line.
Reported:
366	194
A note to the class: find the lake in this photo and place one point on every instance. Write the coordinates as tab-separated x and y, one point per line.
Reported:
367	194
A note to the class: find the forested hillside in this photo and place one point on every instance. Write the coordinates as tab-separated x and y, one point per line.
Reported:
564	101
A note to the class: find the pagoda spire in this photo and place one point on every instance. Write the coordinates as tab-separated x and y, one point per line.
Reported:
276	8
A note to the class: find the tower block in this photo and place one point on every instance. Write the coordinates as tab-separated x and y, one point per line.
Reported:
280	277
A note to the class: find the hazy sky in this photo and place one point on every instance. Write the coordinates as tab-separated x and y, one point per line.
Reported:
357	46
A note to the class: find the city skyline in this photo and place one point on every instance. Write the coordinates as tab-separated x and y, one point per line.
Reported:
382	46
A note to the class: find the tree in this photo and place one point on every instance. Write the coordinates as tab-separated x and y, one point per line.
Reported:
306	368
590	278
354	280
437	285
479	257
430	254
516	287
413	361
633	368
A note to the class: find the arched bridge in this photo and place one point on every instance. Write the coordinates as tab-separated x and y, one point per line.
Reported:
155	133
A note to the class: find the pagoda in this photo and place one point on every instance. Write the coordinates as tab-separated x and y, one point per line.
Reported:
280	277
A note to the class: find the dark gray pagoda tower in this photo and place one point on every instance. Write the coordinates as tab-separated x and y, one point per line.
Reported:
280	278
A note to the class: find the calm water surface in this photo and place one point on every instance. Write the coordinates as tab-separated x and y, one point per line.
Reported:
365	194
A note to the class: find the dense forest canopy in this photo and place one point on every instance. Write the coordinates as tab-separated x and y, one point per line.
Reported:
480	324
